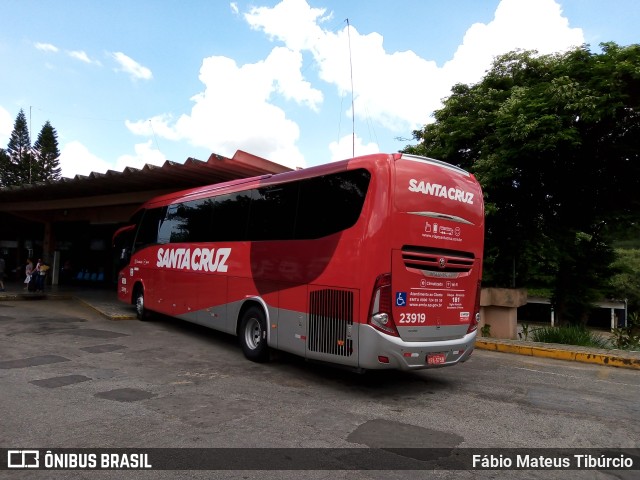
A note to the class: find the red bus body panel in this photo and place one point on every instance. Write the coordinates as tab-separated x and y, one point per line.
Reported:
422	222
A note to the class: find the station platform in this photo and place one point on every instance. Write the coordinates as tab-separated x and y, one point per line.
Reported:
102	299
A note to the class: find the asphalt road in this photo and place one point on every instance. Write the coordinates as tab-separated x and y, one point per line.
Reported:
71	378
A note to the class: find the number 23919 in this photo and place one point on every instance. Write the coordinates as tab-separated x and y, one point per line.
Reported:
413	318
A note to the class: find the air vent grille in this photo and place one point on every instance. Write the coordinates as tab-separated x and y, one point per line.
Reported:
437	259
330	322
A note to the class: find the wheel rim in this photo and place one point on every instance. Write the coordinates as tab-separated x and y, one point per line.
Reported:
140	304
253	333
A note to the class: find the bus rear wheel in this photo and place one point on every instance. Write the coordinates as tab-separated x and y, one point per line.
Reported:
253	335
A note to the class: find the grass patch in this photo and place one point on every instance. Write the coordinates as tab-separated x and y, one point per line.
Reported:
569	335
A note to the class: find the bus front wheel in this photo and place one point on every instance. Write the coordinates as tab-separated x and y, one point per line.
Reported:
253	335
141	312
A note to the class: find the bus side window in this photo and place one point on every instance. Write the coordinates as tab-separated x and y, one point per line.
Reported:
273	212
331	203
187	222
231	214
198	220
149	228
169	225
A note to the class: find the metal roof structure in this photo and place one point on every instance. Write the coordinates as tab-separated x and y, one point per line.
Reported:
129	188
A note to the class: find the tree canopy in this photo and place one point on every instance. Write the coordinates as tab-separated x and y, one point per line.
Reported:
555	142
46	154
16	159
21	164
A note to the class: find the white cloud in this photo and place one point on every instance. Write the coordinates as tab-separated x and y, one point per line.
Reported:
130	66
235	110
349	144
400	89
82	56
285	65
291	21
517	24
239	106
234	7
46	47
76	54
144	153
159	125
75	159
6	127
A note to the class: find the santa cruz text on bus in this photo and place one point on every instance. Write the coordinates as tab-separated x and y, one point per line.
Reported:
440	191
201	259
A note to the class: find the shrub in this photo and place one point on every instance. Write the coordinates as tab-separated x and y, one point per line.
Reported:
485	331
628	338
569	335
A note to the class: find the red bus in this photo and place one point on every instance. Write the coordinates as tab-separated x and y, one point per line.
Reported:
372	263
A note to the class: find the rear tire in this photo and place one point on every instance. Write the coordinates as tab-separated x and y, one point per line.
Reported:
253	335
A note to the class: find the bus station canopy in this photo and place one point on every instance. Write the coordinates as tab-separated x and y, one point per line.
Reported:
113	196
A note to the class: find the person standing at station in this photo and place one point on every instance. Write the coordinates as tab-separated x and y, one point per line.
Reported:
40	272
28	270
2	267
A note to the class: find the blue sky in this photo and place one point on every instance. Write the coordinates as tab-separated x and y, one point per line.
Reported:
126	83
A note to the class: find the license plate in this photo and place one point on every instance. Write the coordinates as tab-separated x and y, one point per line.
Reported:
436	358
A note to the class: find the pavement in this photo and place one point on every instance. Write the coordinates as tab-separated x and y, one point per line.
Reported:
105	302
102	299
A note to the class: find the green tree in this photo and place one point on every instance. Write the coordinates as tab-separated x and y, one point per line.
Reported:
5	168
46	155
626	283
21	164
555	142
18	160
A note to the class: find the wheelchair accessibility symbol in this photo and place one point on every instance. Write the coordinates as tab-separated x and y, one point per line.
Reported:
401	299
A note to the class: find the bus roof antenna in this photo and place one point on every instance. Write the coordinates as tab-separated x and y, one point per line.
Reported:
353	110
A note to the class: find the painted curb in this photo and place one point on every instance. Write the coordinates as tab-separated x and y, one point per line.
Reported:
110	316
622	360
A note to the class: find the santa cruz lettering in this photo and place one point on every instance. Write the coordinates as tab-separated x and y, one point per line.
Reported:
436	190
201	259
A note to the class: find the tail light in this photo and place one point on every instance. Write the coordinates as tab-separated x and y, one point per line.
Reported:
475	318
380	315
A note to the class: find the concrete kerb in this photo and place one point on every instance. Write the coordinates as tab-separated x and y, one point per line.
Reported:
106	310
609	358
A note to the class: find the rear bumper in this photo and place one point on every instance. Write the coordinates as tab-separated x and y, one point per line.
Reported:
403	355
